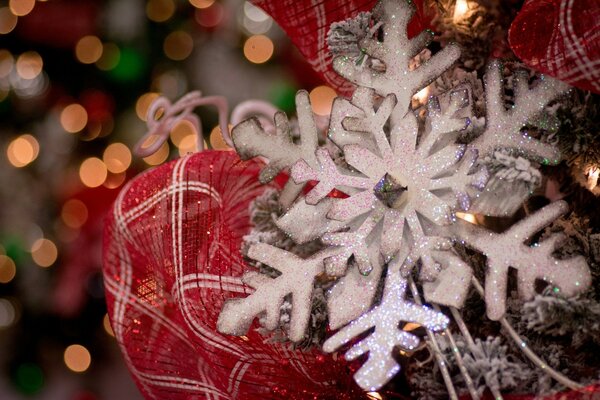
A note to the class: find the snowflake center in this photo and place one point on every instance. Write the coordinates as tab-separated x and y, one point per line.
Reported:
391	191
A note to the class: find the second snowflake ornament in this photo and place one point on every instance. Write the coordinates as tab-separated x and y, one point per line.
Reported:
404	180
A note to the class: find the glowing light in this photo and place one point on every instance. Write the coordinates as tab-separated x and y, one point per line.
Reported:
258	49
8	20
44	252
74	213
107	327
410	326
178	45
111	54
422	95
467	217
113	181
202	3
8	269
189	144
254	27
22	150
88	49
73	118
209	17
160	10
21	7
374	396
159	157
460	9
143	103
93	172
255	13
593	174
77	358
216	139
8	314
181	131
6	63
29	65
117	157
321	99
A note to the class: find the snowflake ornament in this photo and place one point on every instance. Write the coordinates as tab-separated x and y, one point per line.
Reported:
404	181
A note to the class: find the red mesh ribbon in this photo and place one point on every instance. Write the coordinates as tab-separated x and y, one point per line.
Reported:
171	258
307	22
560	38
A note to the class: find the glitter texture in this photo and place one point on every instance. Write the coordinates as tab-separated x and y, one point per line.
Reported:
403	182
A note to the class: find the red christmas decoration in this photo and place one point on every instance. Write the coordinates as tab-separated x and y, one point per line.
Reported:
560	38
171	258
47	24
307	23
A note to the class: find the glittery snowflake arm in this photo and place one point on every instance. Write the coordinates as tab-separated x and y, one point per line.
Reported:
503	250
296	279
251	140
397	78
328	175
503	126
381	366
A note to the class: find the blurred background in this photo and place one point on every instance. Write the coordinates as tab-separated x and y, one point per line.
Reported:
76	79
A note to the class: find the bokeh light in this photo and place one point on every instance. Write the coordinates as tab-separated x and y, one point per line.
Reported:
117	157
93	172
178	45
8	20
7	62
21	7
88	49
113	181
159	157
8	314
29	378
22	150
321	99
111	54
181	131
73	118
77	358
211	16
258	49
29	65
8	269
160	10
255	13
188	144
44	252
202	3
143	103
107	327
74	213
216	139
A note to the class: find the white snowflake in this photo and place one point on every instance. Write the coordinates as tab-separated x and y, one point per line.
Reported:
404	182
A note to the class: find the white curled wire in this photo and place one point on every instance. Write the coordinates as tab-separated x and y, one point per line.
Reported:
160	125
163	116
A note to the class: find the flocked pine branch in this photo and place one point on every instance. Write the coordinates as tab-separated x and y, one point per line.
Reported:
556	316
344	37
385	318
297	279
397	78
508	249
503	127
